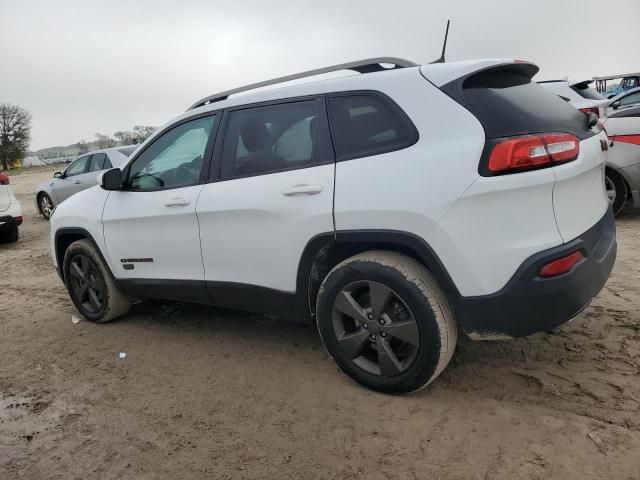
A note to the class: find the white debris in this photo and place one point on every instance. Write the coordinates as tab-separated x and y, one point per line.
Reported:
123	355
75	319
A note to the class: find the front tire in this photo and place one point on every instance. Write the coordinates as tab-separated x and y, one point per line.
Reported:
91	287
45	205
385	322
616	190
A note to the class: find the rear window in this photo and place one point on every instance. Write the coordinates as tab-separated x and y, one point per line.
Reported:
587	92
368	124
508	103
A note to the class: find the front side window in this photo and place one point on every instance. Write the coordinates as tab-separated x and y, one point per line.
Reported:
78	167
270	138
99	161
366	125
174	159
630	99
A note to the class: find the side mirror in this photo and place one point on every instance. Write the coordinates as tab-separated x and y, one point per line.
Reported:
58	175
615	105
111	179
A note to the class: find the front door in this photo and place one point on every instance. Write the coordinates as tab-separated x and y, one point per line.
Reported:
150	226
73	179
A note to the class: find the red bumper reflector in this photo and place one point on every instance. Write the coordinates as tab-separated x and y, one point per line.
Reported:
561	265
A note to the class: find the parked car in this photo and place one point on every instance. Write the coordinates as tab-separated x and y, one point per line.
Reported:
628	99
617	189
10	211
79	175
579	94
391	208
622	175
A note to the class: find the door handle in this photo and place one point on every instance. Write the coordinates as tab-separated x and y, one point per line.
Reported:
177	202
77	182
303	190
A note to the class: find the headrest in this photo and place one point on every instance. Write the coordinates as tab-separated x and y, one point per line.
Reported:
255	135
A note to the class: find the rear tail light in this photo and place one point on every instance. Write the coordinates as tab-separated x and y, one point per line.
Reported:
4	179
561	265
587	111
533	151
18	220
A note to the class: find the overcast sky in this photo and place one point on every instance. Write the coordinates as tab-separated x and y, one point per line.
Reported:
82	67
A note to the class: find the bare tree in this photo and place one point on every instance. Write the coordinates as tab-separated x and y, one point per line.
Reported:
142	132
125	137
104	141
82	147
15	133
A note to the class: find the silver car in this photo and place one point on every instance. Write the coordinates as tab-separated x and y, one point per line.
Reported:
81	174
623	165
624	101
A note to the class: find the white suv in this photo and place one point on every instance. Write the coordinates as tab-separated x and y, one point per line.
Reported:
393	208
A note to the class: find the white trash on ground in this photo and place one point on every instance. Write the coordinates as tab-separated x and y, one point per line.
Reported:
123	355
75	319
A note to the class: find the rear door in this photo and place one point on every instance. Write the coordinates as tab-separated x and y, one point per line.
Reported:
5	197
98	163
271	193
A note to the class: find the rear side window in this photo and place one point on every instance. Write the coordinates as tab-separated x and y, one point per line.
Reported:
367	124
272	138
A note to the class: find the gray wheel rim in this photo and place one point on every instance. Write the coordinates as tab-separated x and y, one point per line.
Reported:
45	205
610	188
87	286
375	328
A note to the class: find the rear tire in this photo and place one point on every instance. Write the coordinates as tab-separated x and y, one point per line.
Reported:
385	322
91	287
616	190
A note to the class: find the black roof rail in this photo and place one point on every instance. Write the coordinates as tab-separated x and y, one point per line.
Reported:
368	65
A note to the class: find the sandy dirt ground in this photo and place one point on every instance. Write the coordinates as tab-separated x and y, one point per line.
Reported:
210	393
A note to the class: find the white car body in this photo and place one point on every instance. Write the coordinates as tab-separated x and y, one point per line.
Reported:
255	230
577	93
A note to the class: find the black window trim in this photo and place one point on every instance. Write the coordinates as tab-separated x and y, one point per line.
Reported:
216	170
206	159
414	135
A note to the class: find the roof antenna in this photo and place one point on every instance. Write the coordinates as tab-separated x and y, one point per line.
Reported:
444	45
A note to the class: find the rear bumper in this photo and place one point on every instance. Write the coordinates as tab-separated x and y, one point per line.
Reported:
530	303
8	223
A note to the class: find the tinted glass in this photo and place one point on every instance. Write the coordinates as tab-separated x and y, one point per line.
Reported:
99	161
127	150
587	92
266	139
174	159
367	125
507	102
77	167
630	99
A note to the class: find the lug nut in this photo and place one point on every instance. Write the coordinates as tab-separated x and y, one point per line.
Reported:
382	321
364	325
383	334
369	316
373	337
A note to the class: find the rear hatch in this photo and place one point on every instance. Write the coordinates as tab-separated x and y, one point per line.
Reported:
513	108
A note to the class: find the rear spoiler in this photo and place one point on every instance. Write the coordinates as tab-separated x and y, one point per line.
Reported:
442	73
